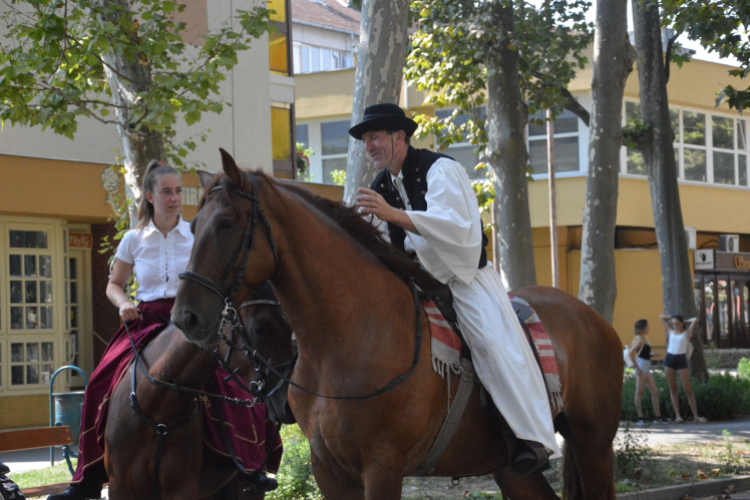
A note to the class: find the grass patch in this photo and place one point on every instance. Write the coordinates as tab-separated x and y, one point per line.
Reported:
721	397
41	477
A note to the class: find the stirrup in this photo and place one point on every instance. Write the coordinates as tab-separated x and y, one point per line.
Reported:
532	458
259	483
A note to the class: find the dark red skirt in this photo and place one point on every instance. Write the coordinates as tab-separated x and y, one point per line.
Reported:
250	426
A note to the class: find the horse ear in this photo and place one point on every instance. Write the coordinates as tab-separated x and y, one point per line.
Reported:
206	178
231	169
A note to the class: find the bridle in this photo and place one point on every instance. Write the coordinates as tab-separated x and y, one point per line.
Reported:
230	316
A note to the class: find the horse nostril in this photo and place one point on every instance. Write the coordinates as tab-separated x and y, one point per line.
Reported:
190	320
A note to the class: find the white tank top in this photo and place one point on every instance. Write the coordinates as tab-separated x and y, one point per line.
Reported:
678	343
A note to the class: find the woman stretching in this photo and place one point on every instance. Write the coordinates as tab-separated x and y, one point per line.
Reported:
676	361
640	353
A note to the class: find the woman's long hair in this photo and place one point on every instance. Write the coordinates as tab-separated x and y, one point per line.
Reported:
154	171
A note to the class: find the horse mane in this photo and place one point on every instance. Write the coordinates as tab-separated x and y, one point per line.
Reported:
350	220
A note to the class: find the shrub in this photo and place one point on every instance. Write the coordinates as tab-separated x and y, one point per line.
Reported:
743	369
295	475
721	397
631	453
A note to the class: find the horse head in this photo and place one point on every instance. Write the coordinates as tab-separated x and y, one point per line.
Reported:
231	228
269	337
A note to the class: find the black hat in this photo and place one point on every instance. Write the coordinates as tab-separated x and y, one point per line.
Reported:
383	117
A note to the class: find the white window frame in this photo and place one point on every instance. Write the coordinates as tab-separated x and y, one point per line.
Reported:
315	142
299	48
583	143
709	149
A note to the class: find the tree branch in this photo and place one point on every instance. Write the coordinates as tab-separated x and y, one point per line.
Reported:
571	103
668	56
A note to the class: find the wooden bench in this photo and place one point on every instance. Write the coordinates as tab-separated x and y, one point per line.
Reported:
37	438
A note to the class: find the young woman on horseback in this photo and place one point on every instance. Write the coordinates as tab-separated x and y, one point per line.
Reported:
157	250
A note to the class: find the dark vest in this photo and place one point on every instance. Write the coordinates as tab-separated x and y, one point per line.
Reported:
416	165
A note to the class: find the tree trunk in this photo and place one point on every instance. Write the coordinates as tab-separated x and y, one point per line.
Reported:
139	146
380	70
613	62
507	156
658	155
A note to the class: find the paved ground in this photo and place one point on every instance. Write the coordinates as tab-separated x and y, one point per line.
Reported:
671	432
22	461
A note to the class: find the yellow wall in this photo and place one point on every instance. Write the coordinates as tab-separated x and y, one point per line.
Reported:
24	411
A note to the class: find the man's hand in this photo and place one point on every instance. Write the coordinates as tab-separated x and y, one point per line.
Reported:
370	202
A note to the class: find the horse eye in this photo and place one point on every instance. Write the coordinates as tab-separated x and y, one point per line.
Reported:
226	224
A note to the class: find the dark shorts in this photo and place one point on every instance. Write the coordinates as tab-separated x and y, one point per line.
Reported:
676	361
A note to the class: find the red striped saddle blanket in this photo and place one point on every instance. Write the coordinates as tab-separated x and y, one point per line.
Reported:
446	346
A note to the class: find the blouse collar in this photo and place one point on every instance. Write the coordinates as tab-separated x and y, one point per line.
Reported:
183	227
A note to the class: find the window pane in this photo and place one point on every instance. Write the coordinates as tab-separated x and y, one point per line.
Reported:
45	292
742	135
723	132
337	62
278	52
16	292
632	112
694	128
335	137
330	165
635	162
723	168
16	318
349	60
674	119
314	59
16	375
325	57
742	161
73	293
566	155
302	136
31	297
48	351
46	375
32	318
305	59
32	352
29	266
74	317
32	374
15	265
281	136
465	156
279	6
566	122
45	266
695	165
46	318
16	353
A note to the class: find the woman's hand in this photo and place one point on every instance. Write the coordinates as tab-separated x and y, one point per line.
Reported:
128	311
656	355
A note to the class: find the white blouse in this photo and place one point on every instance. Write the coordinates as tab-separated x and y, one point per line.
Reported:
157	260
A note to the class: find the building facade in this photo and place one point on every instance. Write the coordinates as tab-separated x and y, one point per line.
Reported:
56	204
711	152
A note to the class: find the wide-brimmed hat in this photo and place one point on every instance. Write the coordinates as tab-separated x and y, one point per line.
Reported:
383	117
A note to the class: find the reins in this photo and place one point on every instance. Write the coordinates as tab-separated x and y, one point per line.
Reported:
230	315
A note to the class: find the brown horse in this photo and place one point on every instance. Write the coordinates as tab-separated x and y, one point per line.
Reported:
189	469
354	320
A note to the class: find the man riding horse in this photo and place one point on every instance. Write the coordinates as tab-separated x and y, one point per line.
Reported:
427	201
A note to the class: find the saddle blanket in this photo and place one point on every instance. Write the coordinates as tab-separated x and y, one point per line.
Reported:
446	347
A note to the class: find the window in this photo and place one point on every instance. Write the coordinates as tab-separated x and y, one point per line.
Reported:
281	137
279	8
31	363
311	59
279	43
72	311
334	139
463	152
708	147
566	143
30	281
302	136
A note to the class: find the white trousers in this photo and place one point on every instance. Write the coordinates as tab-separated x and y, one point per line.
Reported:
502	357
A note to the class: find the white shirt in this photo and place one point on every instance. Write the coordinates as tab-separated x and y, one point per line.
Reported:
449	242
157	260
678	342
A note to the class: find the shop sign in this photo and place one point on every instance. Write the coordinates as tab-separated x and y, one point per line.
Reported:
704	259
742	262
80	240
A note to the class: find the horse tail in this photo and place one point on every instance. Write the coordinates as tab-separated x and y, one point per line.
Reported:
572	489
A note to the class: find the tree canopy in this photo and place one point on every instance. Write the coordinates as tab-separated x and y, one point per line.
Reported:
721	27
57	65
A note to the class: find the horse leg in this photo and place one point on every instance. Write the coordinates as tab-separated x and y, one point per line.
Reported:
531	487
588	469
331	486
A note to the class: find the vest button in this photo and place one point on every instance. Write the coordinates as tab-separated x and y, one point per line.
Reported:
417	169
382	186
419	180
424	192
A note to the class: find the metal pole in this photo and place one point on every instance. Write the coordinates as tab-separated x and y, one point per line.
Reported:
552	199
